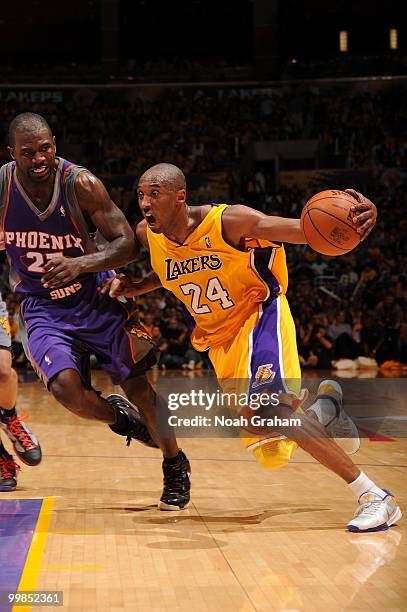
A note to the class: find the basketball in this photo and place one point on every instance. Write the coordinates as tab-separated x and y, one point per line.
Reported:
326	221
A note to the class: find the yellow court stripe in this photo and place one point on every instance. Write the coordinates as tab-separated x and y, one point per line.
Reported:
71	567
32	565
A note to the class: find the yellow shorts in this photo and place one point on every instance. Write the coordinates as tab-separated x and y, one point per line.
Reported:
262	355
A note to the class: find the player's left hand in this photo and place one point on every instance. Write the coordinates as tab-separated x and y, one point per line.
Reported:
60	271
365	213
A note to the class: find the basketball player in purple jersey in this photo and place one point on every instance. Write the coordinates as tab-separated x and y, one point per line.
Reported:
45	202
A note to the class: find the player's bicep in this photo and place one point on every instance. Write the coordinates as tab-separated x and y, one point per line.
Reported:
95	200
239	222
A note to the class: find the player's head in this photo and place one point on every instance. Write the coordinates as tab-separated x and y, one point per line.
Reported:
161	196
32	146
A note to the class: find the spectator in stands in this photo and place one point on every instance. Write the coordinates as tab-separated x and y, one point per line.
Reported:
388	312
317	345
177	338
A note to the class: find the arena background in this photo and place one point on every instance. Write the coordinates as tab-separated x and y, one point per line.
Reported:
257	104
263	102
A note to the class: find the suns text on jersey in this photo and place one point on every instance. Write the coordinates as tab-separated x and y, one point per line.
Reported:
174	269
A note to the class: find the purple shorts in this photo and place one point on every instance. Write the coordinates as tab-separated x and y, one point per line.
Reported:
62	334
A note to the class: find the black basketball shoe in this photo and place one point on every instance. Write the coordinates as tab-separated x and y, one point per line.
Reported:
8	472
129	421
177	483
25	443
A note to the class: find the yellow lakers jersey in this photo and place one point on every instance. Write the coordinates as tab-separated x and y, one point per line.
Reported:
219	285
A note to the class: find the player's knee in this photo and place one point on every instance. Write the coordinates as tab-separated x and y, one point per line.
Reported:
70	395
277	411
6	373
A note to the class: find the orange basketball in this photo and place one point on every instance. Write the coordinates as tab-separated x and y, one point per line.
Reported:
326	221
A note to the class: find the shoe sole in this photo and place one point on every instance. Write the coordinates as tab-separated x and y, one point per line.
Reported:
8	489
343	442
397	515
169	507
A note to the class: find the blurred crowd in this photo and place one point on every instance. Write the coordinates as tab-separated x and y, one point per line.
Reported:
212	129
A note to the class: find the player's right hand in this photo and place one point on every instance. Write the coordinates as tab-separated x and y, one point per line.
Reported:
120	285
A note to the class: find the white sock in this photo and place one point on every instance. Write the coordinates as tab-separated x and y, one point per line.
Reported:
362	484
324	409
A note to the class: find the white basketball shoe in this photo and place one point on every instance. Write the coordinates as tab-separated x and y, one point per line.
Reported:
375	513
329	410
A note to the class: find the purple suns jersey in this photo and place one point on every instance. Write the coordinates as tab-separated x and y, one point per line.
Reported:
33	237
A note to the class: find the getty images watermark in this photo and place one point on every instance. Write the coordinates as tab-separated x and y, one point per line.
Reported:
208	401
204	407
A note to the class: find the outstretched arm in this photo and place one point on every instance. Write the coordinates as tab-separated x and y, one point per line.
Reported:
240	222
111	223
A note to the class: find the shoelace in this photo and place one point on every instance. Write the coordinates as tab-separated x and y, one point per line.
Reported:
370	507
174	478
16	428
8	467
140	433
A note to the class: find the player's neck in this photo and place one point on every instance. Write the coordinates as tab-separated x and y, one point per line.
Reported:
39	193
184	224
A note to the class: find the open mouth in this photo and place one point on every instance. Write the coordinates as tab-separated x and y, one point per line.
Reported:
40	171
150	218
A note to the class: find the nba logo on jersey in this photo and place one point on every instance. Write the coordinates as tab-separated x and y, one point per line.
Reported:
62	210
208	242
47	360
263	375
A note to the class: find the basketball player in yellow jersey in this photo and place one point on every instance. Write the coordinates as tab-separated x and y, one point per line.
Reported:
226	264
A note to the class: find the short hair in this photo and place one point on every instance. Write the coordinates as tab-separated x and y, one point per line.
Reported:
166	174
30	122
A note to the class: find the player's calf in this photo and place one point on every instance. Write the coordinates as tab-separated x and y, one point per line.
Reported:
328	409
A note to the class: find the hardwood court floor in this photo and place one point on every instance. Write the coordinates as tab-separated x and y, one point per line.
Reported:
250	540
